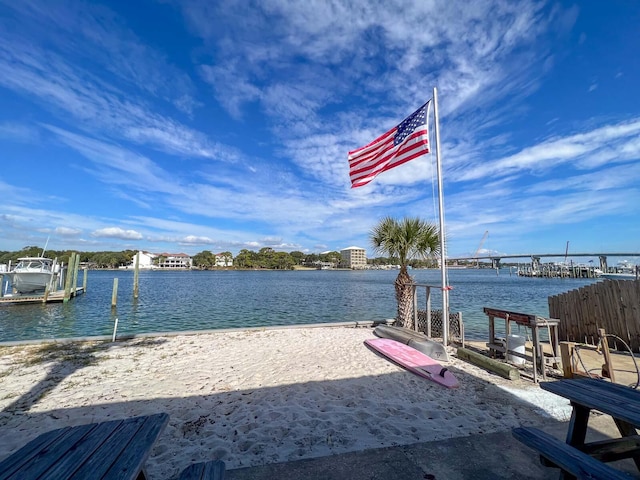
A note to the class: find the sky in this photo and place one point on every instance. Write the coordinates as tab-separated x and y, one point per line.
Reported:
191	125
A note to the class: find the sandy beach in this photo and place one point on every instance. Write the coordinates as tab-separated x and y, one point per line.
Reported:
255	397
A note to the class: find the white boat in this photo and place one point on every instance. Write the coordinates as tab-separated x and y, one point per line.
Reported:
32	274
619	276
625	270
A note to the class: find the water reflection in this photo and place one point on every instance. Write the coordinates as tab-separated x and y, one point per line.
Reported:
170	301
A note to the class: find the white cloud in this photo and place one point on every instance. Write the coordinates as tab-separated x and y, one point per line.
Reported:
117	232
67	232
617	143
97	106
194	240
18	132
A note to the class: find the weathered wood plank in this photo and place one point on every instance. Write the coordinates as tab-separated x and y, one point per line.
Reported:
108	450
613	305
132	454
613	399
495	366
566	457
21	457
213	470
37	464
612	450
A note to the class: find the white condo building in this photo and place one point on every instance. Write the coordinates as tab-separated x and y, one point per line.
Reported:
354	257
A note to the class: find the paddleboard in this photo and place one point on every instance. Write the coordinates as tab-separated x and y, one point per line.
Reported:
417	340
414	361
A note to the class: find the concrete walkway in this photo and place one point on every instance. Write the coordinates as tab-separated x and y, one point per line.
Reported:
496	456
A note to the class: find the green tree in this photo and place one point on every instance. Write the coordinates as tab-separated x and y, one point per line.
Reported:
266	256
405	239
228	258
282	261
297	256
331	257
246	259
204	259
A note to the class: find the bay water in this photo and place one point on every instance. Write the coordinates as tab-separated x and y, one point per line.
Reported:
171	301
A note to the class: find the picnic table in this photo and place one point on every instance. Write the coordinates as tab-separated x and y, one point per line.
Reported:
115	449
576	457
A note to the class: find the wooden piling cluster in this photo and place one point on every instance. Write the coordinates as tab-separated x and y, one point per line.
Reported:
557	271
613	305
51	292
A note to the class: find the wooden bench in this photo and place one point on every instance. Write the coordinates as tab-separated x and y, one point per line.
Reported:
569	459
212	470
112	450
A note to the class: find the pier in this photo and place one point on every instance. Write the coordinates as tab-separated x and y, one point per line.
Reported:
63	285
53	297
552	269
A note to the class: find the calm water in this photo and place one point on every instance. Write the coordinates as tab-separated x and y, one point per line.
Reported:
185	300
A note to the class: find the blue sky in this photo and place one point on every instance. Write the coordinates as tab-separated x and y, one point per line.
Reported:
193	125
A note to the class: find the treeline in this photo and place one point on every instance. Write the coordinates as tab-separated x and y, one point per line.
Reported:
97	259
265	258
268	258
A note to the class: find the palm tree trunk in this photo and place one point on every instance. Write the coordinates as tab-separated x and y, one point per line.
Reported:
404	297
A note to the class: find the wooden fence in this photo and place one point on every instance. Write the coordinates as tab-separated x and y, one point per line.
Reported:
612	304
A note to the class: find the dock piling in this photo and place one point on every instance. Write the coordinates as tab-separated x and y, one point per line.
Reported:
76	265
69	278
114	293
136	275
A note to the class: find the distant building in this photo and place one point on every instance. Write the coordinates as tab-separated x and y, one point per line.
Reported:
223	260
145	262
354	257
174	260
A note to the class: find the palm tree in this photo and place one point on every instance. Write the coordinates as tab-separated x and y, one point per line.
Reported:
405	239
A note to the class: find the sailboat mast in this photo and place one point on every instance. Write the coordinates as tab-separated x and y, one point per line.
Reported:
443	256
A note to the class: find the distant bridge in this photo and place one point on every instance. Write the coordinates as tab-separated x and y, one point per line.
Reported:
535	257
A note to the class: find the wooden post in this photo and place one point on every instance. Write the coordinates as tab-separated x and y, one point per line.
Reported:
415	308
84	279
46	293
566	354
428	311
607	368
68	279
114	293
135	276
1	285
76	266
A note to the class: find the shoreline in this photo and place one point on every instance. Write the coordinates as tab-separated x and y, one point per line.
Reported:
254	397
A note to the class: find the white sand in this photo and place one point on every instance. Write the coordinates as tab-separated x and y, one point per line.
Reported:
255	397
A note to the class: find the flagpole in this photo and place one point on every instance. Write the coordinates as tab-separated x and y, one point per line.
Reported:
443	263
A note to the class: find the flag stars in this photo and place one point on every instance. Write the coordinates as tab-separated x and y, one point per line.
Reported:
409	124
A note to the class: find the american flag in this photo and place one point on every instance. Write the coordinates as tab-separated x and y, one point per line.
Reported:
402	143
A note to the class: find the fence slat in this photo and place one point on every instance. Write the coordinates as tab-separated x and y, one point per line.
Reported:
613	305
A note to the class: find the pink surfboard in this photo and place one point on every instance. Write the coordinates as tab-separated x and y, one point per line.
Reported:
414	361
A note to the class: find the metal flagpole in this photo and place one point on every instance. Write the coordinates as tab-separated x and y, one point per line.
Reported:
443	263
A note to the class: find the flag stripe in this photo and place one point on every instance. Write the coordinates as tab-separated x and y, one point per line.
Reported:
415	145
386	152
406	141
359	180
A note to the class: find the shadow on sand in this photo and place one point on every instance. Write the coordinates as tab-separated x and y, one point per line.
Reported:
385	426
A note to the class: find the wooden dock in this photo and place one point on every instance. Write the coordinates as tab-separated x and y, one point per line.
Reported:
57	296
